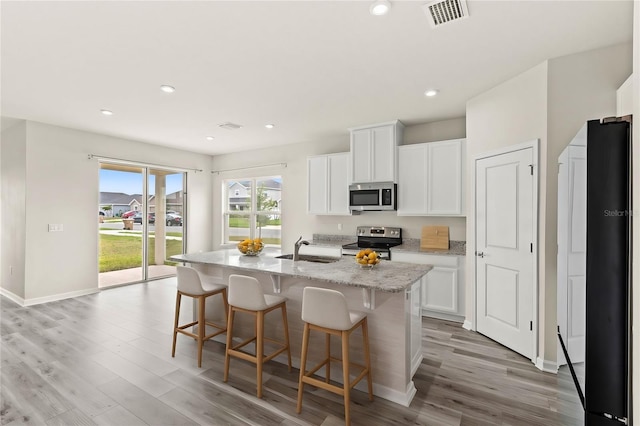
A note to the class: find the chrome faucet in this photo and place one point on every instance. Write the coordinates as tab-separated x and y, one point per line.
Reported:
296	248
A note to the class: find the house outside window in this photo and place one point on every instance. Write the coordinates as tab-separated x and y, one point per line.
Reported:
252	209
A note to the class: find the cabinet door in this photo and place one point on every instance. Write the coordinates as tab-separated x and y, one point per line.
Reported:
445	177
317	185
338	165
383	154
361	156
440	290
412	180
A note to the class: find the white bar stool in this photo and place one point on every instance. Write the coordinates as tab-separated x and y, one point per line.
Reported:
326	311
190	284
246	295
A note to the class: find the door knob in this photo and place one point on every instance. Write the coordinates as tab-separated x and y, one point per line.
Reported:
479	254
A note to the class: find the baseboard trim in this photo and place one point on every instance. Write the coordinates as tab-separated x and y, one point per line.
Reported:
546	366
467	325
11	296
392	395
443	316
45	299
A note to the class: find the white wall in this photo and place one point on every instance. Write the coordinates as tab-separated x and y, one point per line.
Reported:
295	220
58	175
511	113
436	131
549	102
13	170
581	87
624	98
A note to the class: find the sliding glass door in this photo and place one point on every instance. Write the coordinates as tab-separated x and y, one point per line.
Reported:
141	215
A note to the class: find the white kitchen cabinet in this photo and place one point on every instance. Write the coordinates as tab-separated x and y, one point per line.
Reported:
412	180
374	152
431	179
442	292
328	184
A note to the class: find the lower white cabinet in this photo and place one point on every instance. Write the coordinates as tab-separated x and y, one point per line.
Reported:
442	289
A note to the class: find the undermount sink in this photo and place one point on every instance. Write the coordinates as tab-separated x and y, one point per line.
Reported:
309	258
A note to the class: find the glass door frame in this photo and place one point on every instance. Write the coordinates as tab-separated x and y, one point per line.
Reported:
145	171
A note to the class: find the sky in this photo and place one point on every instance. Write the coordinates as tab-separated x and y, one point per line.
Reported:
131	183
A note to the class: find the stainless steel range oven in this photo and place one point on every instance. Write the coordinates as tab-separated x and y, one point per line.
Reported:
379	238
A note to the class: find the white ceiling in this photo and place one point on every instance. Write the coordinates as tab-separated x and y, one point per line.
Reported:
312	68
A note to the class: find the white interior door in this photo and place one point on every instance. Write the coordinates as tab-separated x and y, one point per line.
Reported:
572	232
505	262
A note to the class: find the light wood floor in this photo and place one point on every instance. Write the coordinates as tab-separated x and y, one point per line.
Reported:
105	359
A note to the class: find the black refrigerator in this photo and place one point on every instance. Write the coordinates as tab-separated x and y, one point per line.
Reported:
608	274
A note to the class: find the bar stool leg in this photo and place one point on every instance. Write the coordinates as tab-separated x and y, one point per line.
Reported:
201	328
259	350
226	303
303	364
175	324
227	357
367	356
327	354
286	333
345	376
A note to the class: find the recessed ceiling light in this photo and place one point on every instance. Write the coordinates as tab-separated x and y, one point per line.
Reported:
209	138
431	93
269	126
167	89
106	112
379	7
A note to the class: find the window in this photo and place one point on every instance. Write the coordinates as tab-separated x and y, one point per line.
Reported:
252	209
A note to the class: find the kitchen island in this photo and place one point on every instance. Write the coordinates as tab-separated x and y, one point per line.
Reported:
389	293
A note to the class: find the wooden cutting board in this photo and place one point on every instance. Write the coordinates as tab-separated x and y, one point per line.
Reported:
435	238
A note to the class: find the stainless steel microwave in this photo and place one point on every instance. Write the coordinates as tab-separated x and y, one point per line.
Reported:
372	196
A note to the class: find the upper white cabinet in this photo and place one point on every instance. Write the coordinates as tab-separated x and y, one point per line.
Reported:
328	184
431	179
374	152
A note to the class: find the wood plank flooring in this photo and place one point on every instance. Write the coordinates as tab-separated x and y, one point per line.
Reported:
105	359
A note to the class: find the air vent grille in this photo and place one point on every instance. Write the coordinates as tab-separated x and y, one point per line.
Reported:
230	126
444	11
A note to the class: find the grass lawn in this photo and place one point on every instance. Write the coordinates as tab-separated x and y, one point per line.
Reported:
120	252
243	222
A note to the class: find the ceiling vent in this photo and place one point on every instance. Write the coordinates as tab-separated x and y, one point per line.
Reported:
444	11
229	126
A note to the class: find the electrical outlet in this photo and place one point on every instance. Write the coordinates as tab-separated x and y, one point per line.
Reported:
55	227
339	227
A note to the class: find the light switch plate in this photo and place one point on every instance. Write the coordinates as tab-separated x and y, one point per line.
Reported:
55	227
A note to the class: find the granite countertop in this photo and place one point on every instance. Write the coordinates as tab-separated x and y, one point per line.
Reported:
456	248
386	276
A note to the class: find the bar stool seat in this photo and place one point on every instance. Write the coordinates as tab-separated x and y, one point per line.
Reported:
190	284
246	295
326	311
